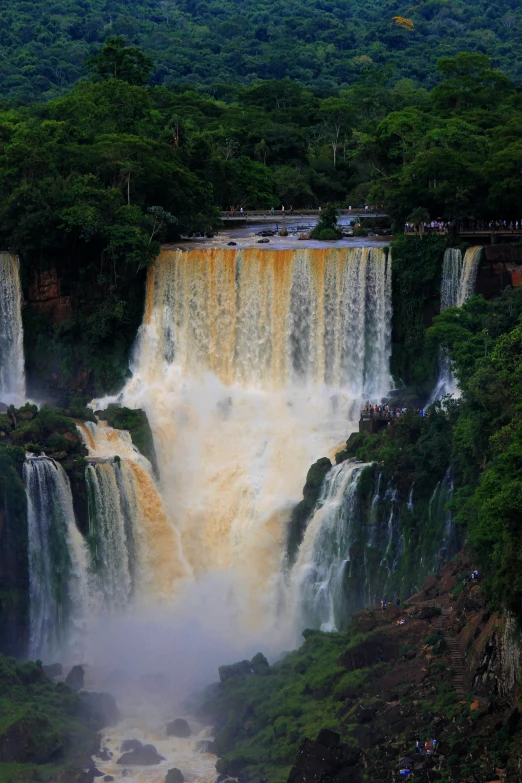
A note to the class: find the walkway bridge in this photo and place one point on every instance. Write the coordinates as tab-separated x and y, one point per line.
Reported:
267	216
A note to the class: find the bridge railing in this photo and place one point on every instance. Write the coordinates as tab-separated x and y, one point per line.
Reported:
355	211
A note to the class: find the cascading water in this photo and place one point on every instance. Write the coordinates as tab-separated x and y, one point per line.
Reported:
468	276
459	276
12	379
365	542
58	563
110	535
135	549
317	580
250	364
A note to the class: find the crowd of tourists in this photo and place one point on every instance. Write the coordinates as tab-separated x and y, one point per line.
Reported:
440	226
386	411
493	225
445	226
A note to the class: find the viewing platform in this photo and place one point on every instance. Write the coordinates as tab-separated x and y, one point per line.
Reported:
375	421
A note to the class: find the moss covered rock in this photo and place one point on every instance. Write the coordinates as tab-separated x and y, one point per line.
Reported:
137	424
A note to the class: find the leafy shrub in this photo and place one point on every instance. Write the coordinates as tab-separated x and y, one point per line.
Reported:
57	442
34	448
5	423
27	433
328	235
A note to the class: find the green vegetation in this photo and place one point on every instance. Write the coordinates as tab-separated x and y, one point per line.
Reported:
416	271
222	44
29	429
136	423
46	731
264	717
478	437
93	180
326	228
379	685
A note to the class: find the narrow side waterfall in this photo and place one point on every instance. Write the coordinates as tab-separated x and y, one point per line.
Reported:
58	563
317	580
451	275
111	537
468	276
251	364
365	542
12	378
459	276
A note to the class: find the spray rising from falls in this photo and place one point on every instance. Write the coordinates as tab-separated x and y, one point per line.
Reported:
12	380
58	563
251	364
459	276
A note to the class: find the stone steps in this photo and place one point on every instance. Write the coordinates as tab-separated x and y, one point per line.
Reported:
457	661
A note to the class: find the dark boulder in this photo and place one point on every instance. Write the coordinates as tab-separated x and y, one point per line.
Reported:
174	776
132	744
323	759
178	728
231	243
259	664
100	708
238	669
76	678
376	648
108	779
146	756
53	670
105	755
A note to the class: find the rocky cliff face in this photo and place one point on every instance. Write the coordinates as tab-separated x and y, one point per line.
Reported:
441	667
45	296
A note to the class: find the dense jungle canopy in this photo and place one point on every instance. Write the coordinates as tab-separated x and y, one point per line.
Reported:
324	44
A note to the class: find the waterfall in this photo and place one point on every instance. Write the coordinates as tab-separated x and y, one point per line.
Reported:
110	534
458	284
451	275
365	542
251	364
318	576
12	379
468	276
135	550
58	563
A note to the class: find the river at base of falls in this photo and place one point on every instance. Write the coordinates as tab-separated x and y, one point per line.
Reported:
146	722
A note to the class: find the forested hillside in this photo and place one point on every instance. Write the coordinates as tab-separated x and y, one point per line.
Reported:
324	44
